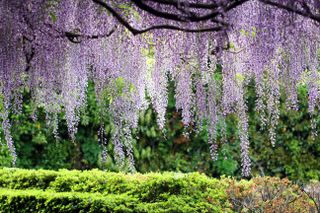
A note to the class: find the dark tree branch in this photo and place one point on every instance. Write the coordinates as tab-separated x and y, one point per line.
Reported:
117	16
188	30
191	5
312	198
234	4
290	8
191	18
29	57
161	14
217	10
28	54
135	31
77	37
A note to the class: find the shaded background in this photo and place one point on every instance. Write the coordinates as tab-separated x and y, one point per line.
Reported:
295	155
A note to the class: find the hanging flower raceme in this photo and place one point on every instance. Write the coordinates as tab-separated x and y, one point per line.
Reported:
130	50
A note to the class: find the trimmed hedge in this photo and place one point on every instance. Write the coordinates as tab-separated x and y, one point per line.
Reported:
49	201
98	191
168	192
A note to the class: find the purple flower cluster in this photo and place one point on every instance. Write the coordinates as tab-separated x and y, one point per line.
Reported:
54	48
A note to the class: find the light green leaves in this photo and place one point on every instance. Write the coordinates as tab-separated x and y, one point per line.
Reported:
240	78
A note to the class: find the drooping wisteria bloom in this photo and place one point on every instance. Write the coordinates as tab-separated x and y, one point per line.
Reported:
130	49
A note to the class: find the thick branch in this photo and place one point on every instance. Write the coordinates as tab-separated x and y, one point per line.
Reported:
217	9
135	31
191	5
77	37
117	16
290	8
147	8
191	18
188	30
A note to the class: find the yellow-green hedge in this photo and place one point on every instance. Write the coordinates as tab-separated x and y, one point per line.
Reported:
98	191
69	191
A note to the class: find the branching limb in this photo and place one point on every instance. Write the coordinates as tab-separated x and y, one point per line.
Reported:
181	18
306	12
77	37
191	5
136	31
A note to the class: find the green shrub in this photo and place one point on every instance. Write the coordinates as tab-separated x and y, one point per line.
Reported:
49	201
268	194
98	191
69	191
23	179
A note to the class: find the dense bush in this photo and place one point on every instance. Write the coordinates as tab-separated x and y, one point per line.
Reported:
46	201
98	191
169	192
269	194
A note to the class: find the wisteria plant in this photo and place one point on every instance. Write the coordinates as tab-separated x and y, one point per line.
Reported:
128	48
